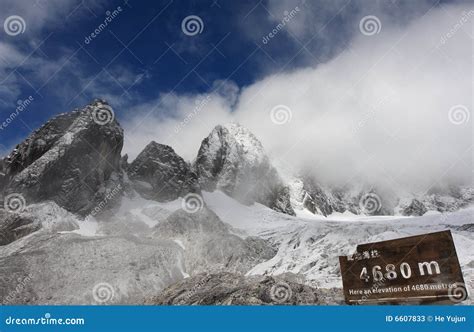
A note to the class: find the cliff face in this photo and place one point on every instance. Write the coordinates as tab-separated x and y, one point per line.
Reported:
160	174
233	160
73	160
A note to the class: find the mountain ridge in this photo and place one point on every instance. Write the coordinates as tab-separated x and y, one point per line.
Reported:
230	159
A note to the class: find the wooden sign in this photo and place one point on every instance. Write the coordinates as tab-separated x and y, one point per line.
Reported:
416	269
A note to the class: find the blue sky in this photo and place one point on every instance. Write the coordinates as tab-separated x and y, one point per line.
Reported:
143	51
144	64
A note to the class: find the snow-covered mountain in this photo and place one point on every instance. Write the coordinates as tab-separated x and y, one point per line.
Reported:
81	225
78	155
308	195
234	161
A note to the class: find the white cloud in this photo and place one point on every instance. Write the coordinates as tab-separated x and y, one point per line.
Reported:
378	112
41	14
22	63
179	121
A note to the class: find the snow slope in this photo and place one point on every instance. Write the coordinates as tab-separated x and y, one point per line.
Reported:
307	244
311	245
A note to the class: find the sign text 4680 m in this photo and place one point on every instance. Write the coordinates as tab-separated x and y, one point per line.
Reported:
404	270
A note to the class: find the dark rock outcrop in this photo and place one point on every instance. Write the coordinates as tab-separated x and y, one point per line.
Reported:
315	199
73	160
233	160
416	208
233	289
46	216
159	173
15	226
279	200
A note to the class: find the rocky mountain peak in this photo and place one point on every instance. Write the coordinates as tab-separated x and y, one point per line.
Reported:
71	159
233	160
153	148
362	199
250	147
159	173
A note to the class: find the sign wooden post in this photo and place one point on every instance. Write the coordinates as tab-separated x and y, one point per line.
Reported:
416	269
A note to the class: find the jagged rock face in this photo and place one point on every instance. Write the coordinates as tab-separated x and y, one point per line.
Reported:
441	200
279	200
73	160
359	198
234	289
315	199
209	245
233	160
15	226
46	216
159	173
416	208
308	193
448	200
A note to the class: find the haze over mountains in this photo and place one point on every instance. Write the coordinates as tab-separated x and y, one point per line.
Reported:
76	209
391	110
78	155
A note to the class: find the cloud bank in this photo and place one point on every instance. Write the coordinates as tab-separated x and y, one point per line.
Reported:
393	109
